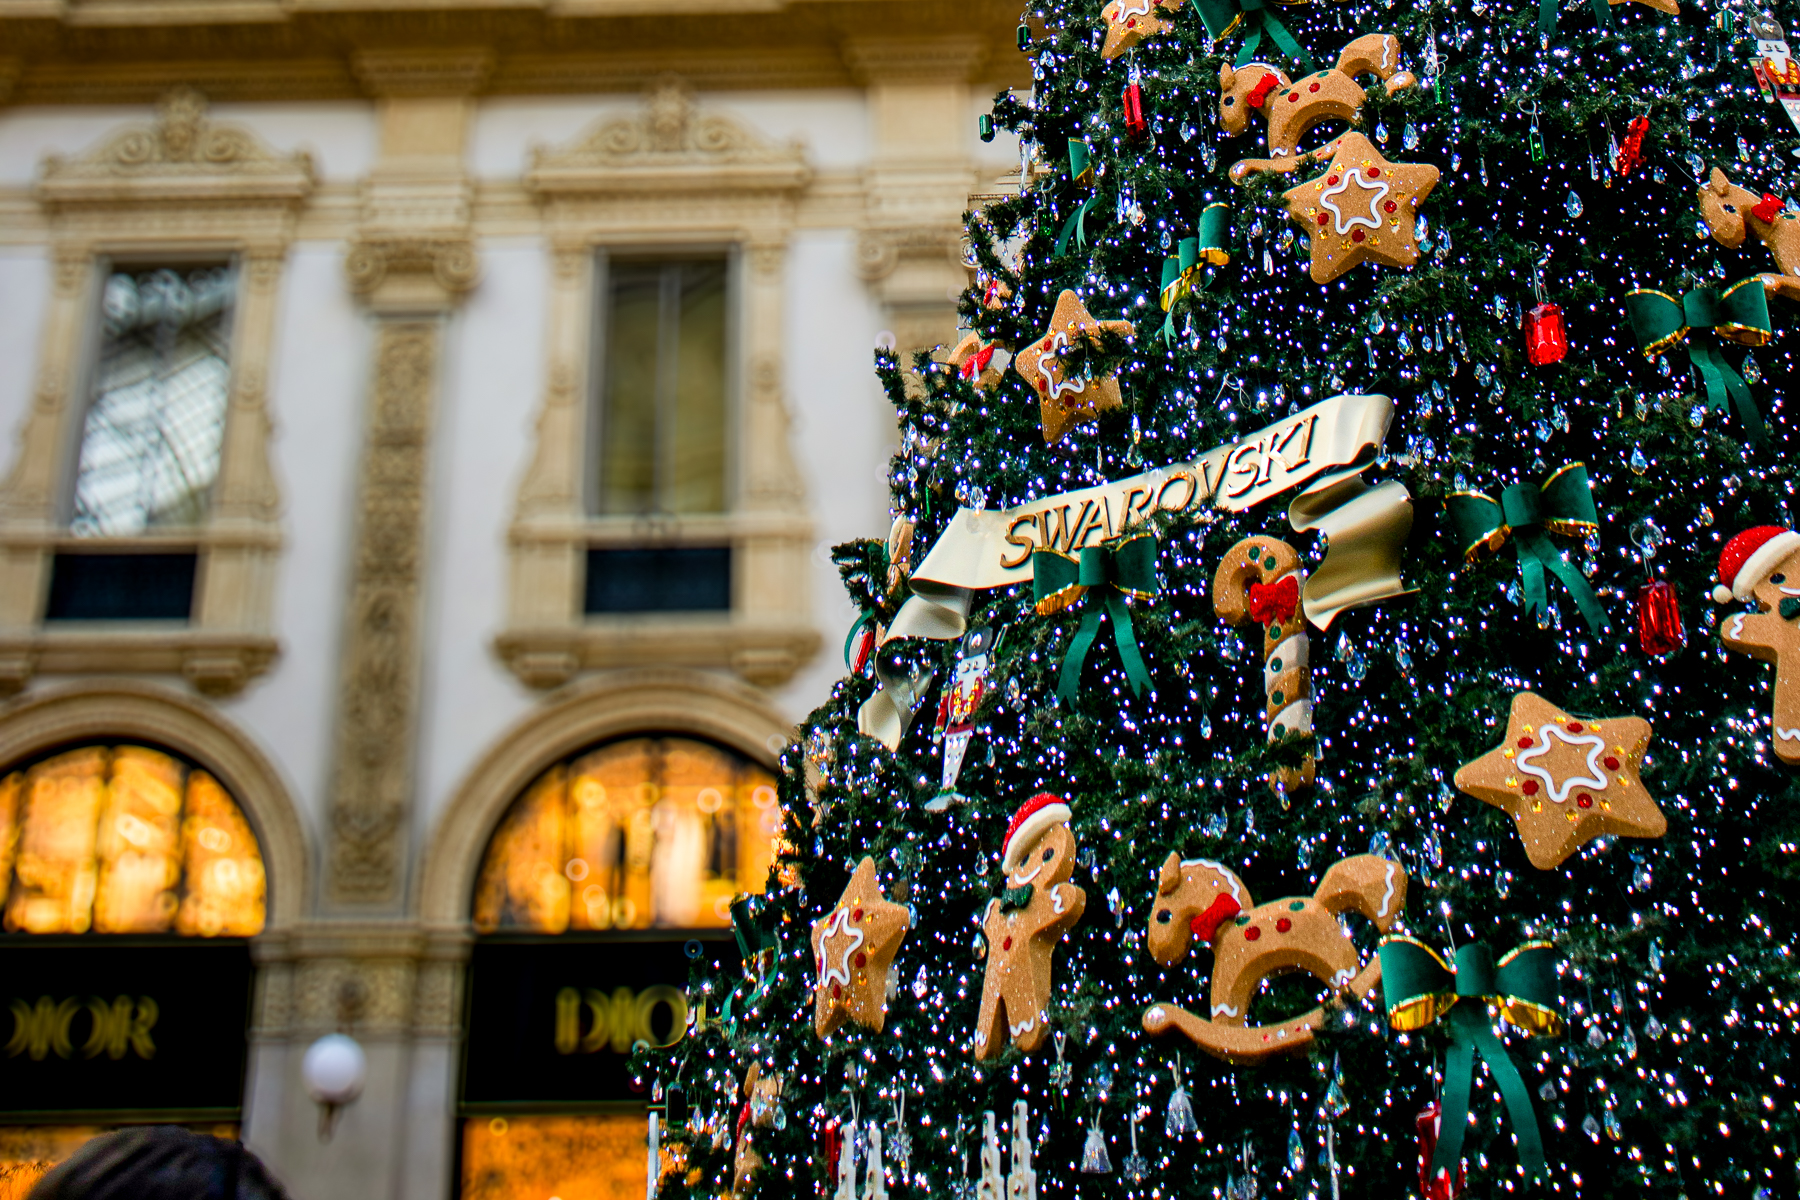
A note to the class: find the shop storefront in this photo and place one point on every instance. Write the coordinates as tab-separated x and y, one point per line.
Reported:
594	888
132	883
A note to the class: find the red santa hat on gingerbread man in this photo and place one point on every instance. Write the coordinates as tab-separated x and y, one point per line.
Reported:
1748	558
1034	817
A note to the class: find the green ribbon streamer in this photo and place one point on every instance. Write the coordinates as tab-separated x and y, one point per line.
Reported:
1012	899
1210	245
755	933
1737	313
1081	173
1223	17
1125	566
1547	15
1525	514
1421	988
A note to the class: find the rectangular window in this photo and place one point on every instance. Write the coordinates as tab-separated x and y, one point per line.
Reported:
661	579
121	587
663	384
156	416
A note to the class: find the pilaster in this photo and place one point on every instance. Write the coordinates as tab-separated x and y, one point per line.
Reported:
919	178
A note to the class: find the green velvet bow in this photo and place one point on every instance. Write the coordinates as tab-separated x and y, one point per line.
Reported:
1738	313
1420	987
1081	173
1526	514
1211	246
1123	567
1223	17
755	932
1012	899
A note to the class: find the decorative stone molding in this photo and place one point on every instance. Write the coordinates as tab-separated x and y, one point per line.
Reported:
384	979
197	187
105	710
613	705
378	693
950	58
449	261
672	175
441	72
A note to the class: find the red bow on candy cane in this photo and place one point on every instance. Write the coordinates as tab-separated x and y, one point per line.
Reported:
1274	603
977	362
1767	208
1260	93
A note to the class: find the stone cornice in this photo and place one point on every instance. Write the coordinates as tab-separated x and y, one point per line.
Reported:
886	59
439	72
131	51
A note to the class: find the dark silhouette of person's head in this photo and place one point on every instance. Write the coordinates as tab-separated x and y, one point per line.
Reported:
159	1162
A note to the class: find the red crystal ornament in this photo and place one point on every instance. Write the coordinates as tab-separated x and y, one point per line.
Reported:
831	1144
1439	1186
1546	341
1659	619
1631	151
1134	111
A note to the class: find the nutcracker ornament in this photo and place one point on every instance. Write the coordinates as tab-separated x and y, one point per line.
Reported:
1777	74
956	710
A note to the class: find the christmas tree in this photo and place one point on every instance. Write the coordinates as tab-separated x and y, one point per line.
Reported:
1324	721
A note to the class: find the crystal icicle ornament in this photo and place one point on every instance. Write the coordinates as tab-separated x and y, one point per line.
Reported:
1573	203
1591	1127
1628	1042
1614	1129
1656	947
1296	1151
1639	464
920	985
1405	343
1381	132
1180	1120
1751	372
1335	1104
1547	1093
1094	1158
1653	1028
1409	136
1743	148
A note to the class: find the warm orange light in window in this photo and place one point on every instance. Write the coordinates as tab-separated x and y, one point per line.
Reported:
126	840
647	832
599	1157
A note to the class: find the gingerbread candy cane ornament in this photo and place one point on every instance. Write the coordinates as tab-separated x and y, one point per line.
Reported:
1260	580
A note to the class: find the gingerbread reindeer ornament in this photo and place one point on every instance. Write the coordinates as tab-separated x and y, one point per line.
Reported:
1732	213
1024	924
1764	563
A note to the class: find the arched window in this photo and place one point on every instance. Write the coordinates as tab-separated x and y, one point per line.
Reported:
654	832
126	839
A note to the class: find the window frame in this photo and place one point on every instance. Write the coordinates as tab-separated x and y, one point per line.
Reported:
141	196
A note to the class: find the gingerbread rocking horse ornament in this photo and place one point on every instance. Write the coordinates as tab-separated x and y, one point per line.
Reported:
1201	900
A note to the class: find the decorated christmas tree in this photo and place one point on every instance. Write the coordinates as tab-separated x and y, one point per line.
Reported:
1324	722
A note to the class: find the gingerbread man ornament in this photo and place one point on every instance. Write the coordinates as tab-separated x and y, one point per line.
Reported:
853	949
1024	924
1764	563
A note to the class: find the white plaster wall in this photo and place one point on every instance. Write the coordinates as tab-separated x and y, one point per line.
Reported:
492	385
341	137
833	124
24	288
318	385
843	434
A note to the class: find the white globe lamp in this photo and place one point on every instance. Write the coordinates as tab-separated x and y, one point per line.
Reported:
334	1069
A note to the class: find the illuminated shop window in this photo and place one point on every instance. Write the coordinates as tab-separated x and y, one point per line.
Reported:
646	833
598	1156
125	839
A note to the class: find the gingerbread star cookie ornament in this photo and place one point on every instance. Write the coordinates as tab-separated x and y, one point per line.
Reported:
1362	209
853	949
1064	400
1566	780
1129	22
1763	564
1024	924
